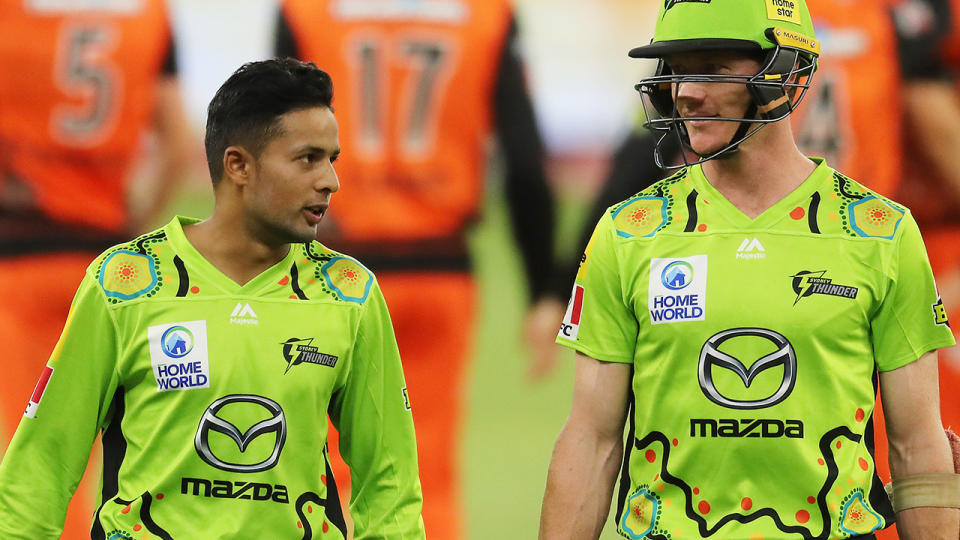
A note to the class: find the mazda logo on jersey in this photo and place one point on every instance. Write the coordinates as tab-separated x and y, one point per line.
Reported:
711	356
210	421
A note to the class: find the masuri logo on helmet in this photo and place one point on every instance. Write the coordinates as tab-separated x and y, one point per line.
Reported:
780	32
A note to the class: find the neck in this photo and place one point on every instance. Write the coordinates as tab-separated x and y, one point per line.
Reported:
767	168
229	242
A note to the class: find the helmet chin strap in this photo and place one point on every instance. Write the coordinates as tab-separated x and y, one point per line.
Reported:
734	145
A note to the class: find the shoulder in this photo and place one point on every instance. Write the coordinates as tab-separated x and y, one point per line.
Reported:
133	269
852	209
658	207
335	275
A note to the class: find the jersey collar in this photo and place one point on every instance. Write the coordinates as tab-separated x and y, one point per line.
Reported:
771	216
198	264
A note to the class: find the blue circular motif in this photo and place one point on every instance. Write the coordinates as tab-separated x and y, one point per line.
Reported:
677	275
177	341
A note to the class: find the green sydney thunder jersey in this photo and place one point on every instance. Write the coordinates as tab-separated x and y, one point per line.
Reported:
754	345
213	400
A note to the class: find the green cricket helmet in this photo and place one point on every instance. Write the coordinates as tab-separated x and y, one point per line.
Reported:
778	32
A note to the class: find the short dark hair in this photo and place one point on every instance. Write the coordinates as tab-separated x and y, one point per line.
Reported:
246	109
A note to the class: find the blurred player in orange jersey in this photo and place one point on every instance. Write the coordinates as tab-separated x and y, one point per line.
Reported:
421	86
853	118
850	117
932	183
82	81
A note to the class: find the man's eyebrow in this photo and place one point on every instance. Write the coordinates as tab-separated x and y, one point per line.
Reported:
315	149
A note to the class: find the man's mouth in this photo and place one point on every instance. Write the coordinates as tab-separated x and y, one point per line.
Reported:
315	212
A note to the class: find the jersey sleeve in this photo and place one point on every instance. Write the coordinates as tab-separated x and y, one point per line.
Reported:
526	187
599	322
922	27
372	414
911	319
50	449
284	42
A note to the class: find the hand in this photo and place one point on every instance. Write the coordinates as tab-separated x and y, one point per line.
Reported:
540	330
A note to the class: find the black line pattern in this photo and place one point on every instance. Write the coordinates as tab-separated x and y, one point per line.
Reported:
295	282
812	212
184	277
692	216
705	531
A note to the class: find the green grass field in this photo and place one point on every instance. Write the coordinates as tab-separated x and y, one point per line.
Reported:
512	423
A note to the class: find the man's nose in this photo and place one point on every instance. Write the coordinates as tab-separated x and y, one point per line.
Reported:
327	179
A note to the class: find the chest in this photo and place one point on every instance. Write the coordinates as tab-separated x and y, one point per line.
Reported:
181	349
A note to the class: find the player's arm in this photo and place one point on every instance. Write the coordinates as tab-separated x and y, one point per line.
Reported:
372	414
588	453
526	188
284	43
908	328
172	157
918	445
632	169
51	447
931	106
602	327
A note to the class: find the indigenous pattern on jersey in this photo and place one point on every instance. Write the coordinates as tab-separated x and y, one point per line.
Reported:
77	97
417	139
851	116
755	345
213	399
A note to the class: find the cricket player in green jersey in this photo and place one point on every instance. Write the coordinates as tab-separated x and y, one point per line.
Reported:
210	354
740	315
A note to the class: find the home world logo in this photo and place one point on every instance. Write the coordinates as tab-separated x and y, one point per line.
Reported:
678	289
178	354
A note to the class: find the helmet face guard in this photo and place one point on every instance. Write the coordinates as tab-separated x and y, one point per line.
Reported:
778	33
775	91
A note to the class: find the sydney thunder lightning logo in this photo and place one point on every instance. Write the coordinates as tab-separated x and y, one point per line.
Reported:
807	283
298	351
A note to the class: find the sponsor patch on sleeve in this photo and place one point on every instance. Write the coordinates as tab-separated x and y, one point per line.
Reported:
940	313
678	289
571	320
178	353
38	391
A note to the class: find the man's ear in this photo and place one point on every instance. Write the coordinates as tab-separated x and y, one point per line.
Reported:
238	165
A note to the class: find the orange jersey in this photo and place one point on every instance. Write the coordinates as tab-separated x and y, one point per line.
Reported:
851	115
929	195
76	94
413	85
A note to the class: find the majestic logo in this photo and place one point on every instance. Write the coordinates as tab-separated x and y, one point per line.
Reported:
305	353
678	289
243	314
751	249
677	275
711	356
177	342
225	489
668	4
940	313
806	283
406	399
276	423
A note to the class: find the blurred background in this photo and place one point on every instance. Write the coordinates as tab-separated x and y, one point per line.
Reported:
869	121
